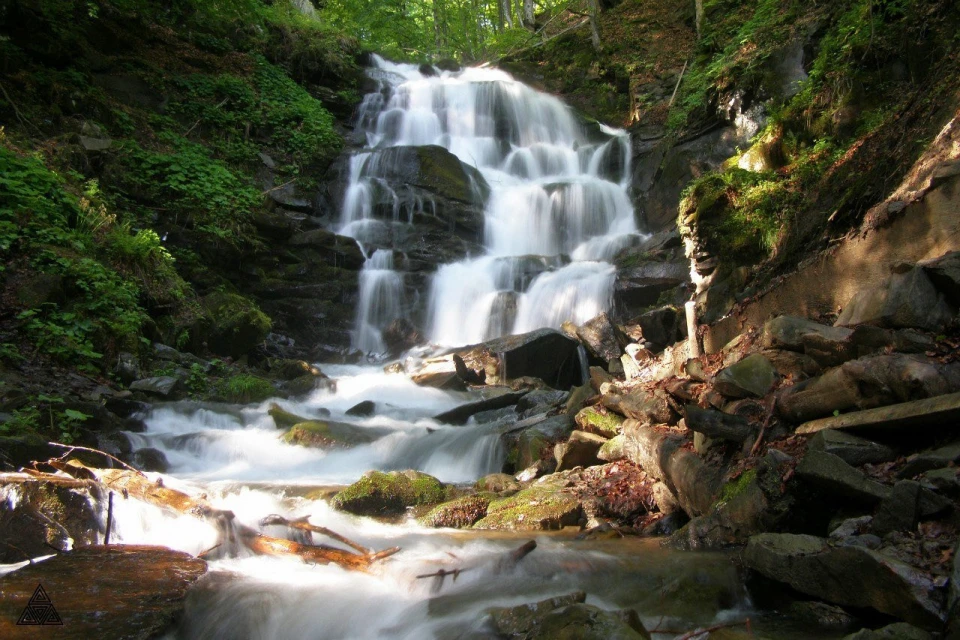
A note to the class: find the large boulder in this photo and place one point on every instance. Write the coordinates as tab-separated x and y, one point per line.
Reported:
457	514
545	354
599	422
753	376
836	478
847	575
852	449
326	434
603	339
389	494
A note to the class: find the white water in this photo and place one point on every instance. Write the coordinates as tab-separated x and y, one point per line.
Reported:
557	195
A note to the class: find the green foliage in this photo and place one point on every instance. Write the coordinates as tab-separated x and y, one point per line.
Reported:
46	419
244	388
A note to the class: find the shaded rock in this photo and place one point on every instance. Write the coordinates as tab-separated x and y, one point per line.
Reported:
233	325
823	615
791	363
899	511
141	595
35	514
661	326
166	387
639	285
752	376
150	459
578	398
334	250
716	424
944	273
789	332
935	459
457	514
602	338
365	408
848	576
601	423
835	477
290	369
612	450
850	448
580	450
909	300
851	527
944	481
520	620
325	434
599	376
534	509
896	631
545	353
384	494
459	415
532	439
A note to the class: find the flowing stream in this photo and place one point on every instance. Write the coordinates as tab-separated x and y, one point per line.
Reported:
556	212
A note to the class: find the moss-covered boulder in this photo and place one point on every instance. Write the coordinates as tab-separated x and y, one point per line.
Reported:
284	419
497	483
535	509
244	388
234	325
457	514
599	421
388	494
326	434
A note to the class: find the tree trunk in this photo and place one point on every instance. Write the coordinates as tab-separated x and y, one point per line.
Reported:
507	10
528	21
594	31
698	5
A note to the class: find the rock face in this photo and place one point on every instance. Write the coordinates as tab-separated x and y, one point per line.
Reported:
388	494
130	591
909	300
849	576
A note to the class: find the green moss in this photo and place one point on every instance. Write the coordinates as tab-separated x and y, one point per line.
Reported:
379	493
234	324
325	434
536	508
458	514
244	388
606	424
734	488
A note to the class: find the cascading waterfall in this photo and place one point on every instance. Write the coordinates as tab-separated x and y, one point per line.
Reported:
556	213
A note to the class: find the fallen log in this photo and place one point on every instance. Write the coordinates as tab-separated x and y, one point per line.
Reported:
232	534
303	525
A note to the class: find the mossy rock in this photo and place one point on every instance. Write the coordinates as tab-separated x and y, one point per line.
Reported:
282	418
534	509
388	494
324	434
497	483
234	325
457	514
599	422
244	388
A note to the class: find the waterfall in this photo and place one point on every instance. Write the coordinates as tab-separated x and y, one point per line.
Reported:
556	213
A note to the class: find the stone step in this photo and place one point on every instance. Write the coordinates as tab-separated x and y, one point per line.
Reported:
939	410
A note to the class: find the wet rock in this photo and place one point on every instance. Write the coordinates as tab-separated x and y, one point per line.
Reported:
753	376
944	273
639	285
497	483
586	622
821	614
612	450
34	514
166	387
601	423
457	514
150	459
716	424
282	418
848	576
520	620
896	631
909	300
835	477
334	250
534	509
130	591
325	434
440	373
602	338
459	415
400	335
545	353
362	409
386	494
540	401
852	449
580	450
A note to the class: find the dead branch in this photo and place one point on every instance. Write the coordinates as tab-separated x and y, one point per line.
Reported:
74	447
509	561
771	405
304	525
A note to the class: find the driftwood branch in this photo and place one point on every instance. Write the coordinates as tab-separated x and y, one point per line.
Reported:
74	447
303	525
508	561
